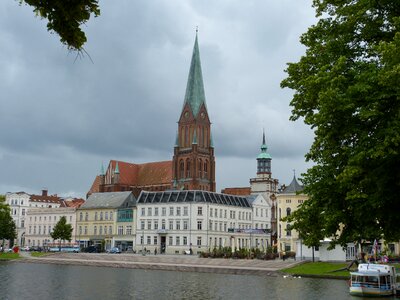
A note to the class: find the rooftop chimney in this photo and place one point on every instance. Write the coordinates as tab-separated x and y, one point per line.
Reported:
44	192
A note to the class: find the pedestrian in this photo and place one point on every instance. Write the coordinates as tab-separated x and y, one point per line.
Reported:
155	251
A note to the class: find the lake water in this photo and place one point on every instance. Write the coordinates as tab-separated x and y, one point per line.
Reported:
48	281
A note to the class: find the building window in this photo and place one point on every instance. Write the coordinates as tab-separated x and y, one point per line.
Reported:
156	211
80	229
178	211
85	230
86	216
23	212
95	216
141	240
109	229
142	225
288	231
106	215
148	240
143	211
211	212
129	230
288	211
101	216
185	211
111	215
95	230
149	224
155	224
171	211
177	240
170	241
199	241
210	225
100	230
178	225
149	211
185	240
164	211
199	225
199	211
155	240
171	225
225	213
120	230
185	225
162	224
80	216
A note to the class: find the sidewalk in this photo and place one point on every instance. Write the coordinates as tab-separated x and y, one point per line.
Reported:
189	263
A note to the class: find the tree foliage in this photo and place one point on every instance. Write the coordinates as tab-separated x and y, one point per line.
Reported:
7	224
347	88
62	230
66	17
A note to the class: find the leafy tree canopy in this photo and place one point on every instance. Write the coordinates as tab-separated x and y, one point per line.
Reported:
7	224
66	17
62	230
347	88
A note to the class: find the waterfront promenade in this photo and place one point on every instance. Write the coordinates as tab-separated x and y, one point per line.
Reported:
188	263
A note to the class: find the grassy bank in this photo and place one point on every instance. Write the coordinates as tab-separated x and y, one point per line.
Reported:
39	254
323	269
9	256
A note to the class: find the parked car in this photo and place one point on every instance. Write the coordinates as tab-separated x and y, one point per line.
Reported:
91	249
26	248
114	250
36	249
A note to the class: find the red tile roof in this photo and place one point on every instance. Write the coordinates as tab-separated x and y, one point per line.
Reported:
157	173
47	199
75	203
95	185
238	191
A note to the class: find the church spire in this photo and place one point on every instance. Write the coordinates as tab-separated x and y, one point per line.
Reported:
194	95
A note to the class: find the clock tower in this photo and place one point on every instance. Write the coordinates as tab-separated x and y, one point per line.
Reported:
193	165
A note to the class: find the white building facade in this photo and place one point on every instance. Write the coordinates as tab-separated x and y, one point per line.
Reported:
176	221
19	205
40	223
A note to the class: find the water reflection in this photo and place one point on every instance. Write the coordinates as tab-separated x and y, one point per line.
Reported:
29	281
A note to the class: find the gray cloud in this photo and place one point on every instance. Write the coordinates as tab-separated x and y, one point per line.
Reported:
61	116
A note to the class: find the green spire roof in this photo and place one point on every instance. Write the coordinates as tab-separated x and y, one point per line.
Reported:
116	169
211	141
194	88
102	169
264	154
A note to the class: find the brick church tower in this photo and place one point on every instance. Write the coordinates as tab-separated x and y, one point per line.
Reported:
193	165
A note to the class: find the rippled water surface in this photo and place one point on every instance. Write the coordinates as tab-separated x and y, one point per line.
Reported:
47	281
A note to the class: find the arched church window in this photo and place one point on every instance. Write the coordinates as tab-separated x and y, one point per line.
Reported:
188	168
182	137
200	167
205	137
181	169
187	136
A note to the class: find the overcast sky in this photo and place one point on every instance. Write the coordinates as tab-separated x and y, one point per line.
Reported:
62	117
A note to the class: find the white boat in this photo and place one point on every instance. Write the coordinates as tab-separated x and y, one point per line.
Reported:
375	280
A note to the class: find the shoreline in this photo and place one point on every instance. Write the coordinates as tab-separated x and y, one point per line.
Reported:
165	262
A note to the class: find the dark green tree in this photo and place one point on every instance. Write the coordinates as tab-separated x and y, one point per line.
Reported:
7	224
65	17
347	88
62	231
